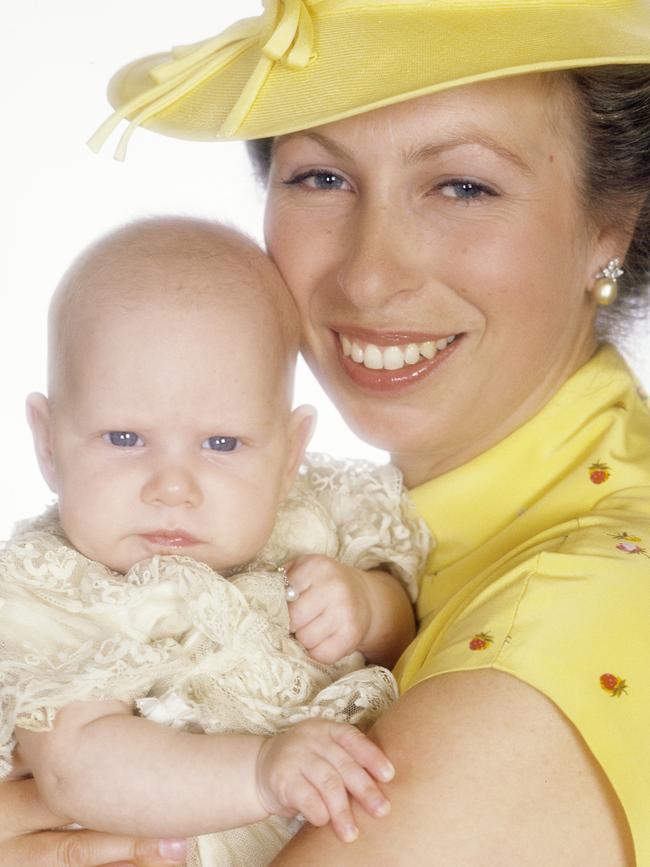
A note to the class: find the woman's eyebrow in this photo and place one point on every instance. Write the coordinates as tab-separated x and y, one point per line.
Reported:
417	154
434	149
324	141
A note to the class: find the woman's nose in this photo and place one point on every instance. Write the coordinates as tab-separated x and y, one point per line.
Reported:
172	485
381	257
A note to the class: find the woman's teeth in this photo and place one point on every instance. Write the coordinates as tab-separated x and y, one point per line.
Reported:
392	357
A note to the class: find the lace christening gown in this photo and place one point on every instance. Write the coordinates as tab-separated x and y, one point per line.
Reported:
191	648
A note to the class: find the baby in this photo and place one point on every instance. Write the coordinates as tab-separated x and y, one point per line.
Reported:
155	591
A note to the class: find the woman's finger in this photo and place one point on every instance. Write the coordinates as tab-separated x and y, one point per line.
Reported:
88	849
23	811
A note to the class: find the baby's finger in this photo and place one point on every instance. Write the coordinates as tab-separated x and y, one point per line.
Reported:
331	649
364	751
308	607
361	786
300	574
329	783
306	799
314	632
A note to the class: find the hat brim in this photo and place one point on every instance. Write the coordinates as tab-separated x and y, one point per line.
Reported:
367	58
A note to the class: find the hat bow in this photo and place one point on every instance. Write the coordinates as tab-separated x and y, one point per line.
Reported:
284	33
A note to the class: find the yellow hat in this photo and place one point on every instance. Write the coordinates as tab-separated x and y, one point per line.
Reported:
303	63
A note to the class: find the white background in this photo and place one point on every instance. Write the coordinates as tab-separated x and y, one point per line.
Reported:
56	57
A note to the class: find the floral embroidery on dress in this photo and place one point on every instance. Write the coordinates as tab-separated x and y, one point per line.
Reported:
599	472
614	685
629	544
481	641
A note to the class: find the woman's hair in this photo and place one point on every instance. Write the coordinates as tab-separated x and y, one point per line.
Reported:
614	107
613	104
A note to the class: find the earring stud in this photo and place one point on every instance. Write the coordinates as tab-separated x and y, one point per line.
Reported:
606	286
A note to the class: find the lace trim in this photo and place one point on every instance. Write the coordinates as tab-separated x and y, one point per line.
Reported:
72	630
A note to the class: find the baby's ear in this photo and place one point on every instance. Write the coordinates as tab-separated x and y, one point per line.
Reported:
38	418
301	427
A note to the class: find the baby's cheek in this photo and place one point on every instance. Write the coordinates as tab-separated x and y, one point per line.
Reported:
253	521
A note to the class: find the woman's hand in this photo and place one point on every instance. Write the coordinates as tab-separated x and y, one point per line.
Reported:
22	842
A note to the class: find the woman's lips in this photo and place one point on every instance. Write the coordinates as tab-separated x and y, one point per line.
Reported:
390	361
171	539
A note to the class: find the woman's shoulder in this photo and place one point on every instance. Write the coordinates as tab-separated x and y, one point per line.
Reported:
570	621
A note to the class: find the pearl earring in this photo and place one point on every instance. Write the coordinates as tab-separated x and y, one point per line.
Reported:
606	286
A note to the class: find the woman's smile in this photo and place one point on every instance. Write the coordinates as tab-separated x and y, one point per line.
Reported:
389	362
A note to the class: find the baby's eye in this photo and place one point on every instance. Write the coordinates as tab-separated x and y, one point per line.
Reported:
465	190
220	444
124	438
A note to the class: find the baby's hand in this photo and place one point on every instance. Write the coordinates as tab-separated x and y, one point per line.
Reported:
314	767
333	612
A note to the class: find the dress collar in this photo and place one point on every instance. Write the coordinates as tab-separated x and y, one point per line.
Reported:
546	471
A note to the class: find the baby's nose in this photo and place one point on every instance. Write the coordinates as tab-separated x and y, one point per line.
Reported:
172	486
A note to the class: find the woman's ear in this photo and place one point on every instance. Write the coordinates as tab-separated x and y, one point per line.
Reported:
301	427
612	242
39	420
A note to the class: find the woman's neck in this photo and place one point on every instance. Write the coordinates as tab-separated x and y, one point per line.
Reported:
440	458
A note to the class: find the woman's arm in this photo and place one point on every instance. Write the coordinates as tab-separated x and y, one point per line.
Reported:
23	814
488	771
111	771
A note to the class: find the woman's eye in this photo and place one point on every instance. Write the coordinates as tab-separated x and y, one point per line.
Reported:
124	438
220	444
317	179
464	190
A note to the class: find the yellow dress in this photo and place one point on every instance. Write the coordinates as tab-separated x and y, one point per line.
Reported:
542	570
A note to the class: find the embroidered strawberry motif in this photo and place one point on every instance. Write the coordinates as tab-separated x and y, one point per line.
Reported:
629	544
599	473
481	641
612	684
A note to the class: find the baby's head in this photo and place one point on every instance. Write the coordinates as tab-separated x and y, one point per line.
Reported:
168	425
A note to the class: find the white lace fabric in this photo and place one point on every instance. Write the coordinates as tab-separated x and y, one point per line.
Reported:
190	648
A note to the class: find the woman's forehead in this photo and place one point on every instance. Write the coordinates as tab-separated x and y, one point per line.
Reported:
504	115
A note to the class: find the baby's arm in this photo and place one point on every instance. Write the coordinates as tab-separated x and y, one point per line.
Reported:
340	609
352	602
106	769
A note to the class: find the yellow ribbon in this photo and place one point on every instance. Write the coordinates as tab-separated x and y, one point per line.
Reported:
285	34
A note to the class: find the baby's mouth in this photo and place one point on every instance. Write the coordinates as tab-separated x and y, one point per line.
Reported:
171	538
394	357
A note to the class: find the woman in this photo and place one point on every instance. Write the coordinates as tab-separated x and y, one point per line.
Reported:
450	205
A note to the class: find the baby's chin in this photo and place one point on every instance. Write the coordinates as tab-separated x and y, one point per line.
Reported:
132	551
199	553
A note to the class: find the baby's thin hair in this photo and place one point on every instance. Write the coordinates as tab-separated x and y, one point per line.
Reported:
123	270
